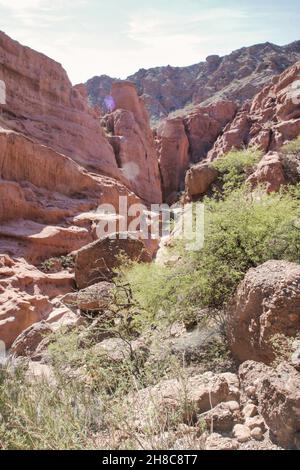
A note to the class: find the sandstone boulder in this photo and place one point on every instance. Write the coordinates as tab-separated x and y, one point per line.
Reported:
267	303
269	172
119	350
216	441
96	297
250	410
277	392
223	417
28	341
96	261
199	179
242	433
198	394
257	434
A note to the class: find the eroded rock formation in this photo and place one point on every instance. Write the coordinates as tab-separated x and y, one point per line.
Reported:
41	103
199	179
28	296
57	165
96	261
272	119
269	172
277	394
173	153
204	125
133	142
266	304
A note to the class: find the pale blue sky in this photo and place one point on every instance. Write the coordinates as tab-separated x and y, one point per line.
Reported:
94	37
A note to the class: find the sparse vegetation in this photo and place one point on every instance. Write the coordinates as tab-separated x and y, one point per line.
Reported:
290	158
292	148
236	166
243	230
88	406
84	405
188	108
57	264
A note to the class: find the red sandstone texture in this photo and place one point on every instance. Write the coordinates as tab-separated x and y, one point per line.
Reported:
42	193
173	152
133	142
186	139
56	168
42	104
270	172
28	296
204	125
272	119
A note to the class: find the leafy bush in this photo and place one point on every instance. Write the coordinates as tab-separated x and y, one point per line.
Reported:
242	230
236	166
182	112
290	158
292	147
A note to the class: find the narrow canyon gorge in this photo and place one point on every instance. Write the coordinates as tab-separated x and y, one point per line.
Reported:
163	136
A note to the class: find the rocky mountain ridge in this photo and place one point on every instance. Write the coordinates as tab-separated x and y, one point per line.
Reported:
237	77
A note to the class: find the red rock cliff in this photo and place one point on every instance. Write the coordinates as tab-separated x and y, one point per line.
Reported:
133	142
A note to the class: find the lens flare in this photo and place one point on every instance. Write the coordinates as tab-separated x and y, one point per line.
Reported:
109	103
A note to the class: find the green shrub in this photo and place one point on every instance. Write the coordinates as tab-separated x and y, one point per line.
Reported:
57	264
292	148
242	230
236	166
290	158
182	112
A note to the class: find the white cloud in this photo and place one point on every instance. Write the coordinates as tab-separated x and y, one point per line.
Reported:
149	38
145	24
178	38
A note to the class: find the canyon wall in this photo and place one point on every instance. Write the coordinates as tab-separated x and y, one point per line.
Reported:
272	118
42	104
131	137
